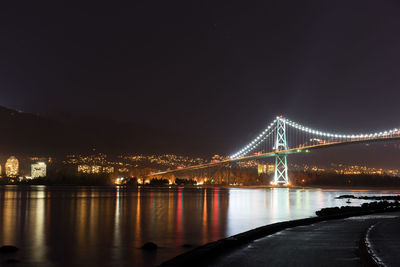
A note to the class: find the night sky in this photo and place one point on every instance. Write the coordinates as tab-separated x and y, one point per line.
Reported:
215	68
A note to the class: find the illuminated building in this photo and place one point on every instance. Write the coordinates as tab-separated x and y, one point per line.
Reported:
96	169
84	168
11	167
123	170
108	169
120	181
38	170
266	168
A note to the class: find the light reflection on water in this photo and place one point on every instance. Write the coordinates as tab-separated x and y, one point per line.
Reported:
104	226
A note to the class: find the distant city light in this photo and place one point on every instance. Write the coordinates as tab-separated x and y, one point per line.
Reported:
120	181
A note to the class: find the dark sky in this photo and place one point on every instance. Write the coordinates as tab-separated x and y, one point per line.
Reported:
217	68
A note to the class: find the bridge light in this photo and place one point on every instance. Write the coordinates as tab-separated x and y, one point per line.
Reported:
270	129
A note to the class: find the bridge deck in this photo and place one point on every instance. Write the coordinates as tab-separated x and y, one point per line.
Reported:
274	153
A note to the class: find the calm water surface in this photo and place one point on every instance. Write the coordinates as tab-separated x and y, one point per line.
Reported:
106	226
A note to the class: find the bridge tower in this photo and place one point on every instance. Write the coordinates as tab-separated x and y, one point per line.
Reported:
281	173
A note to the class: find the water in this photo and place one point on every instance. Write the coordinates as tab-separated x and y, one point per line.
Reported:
106	226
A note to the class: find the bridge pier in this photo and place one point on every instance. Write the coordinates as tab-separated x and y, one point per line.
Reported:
281	170
281	176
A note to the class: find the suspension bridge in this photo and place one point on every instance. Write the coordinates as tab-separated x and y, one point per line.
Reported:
283	137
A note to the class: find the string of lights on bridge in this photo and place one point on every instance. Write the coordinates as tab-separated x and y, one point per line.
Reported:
253	144
341	137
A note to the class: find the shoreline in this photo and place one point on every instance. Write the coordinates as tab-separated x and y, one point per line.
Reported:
210	251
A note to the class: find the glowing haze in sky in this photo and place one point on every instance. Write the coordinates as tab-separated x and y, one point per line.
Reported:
214	68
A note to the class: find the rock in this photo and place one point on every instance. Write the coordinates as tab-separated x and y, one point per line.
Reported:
8	249
149	246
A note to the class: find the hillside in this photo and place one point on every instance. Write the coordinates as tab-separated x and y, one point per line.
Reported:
26	133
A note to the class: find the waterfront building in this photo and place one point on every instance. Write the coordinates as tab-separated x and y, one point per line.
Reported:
38	170
12	167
